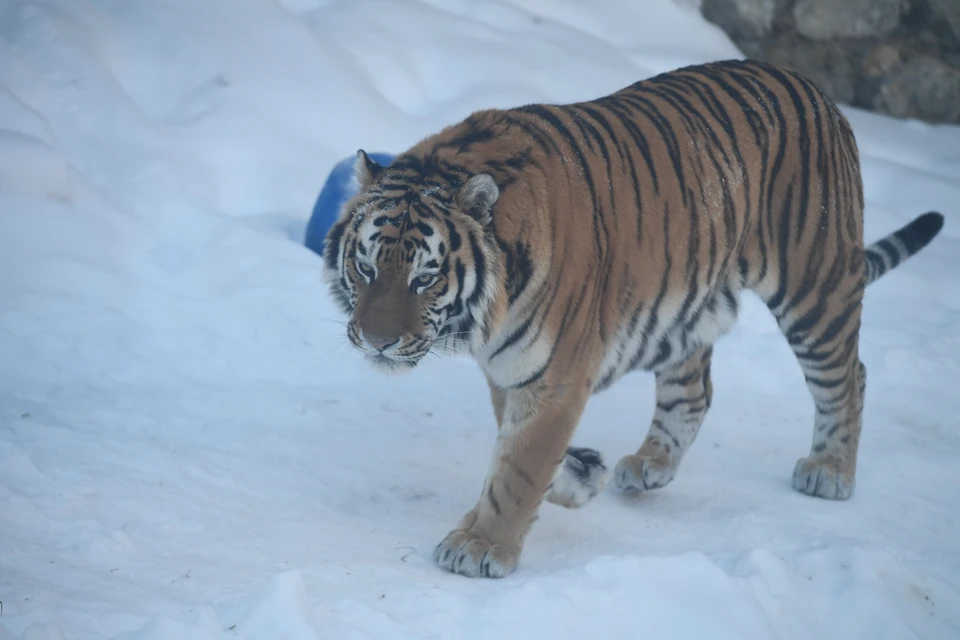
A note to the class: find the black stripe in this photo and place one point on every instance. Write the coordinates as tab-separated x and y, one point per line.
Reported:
544	141
800	115
493	501
480	271
548	116
623	111
663	126
667	407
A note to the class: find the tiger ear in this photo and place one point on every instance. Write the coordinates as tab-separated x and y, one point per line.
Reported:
366	169
477	196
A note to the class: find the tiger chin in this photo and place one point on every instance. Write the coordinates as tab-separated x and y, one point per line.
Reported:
563	246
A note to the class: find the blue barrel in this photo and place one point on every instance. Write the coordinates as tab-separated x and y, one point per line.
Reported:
338	189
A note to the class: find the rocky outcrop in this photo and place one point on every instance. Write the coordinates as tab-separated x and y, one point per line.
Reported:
830	19
897	57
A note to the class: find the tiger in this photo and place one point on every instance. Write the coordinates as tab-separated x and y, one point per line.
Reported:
563	245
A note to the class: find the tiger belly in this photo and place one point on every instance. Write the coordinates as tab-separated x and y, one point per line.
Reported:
659	343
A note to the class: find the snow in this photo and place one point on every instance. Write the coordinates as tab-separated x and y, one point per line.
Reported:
190	448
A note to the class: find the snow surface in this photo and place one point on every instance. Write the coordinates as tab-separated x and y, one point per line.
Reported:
189	447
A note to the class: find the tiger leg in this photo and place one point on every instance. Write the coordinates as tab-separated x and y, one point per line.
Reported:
579	478
684	393
837	380
498	397
538	423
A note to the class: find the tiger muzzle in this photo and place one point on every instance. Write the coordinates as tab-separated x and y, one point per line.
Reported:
387	315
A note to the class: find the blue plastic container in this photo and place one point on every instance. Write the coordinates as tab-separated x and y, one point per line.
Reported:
338	189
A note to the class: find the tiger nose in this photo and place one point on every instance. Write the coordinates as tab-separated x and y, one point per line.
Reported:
380	344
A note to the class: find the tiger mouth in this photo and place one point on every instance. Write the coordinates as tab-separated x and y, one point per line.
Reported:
394	362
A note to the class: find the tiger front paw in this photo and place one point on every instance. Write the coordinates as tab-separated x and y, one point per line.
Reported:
472	556
580	478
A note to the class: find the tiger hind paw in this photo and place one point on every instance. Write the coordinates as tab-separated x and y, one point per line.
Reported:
823	477
643	473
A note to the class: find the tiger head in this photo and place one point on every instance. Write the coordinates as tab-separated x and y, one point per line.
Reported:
413	259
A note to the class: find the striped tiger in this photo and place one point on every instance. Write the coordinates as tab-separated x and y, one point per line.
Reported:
563	246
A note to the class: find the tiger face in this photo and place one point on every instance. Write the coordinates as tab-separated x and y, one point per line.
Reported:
410	261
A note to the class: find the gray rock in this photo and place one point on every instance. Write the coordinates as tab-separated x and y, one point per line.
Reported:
883	60
897	57
745	19
830	65
947	12
829	19
923	87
